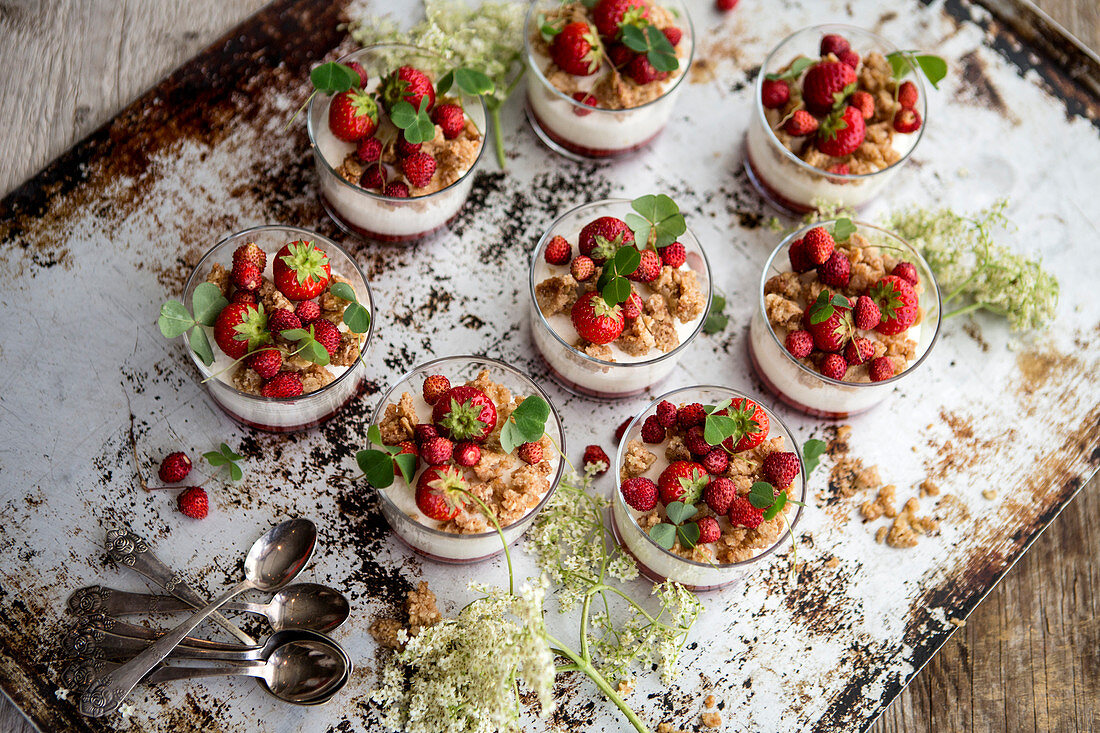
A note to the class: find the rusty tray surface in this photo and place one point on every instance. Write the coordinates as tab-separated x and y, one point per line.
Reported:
96	241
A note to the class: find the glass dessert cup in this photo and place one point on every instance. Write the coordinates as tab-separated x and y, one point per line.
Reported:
373	215
288	414
655	562
806	389
579	132
398	501
586	375
785	180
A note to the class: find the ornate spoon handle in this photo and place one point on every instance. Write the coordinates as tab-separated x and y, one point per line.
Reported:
98	599
93	643
79	675
112	627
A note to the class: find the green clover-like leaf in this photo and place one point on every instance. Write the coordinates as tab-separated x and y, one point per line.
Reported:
406	463
377	467
526	424
776	507
762	495
200	344
811	454
616	291
403	114
357	318
843	229
715	323
445	83
680	511
688	535
343	291
374	435
627	260
214	458
174	319
795	70
664	535
474	82
635	38
333	78
718	428
934	68
207	303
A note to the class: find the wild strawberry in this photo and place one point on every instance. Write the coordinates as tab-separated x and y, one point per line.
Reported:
834	366
825	84
800	261
819	245
719	493
695	441
595	320
881	369
832	333
266	363
247	277
243	297
558	251
174	467
283	319
907	120
780	468
690	415
742	513
301	270
619	55
621	430
639	493
906	271
642	71
774	93
652	431
464	413
836	271
725	5
437	451
633	306
833	43
907	95
397	190
369	150
709	531
581	268
840	169
358	69
898	303
586	100
866	313
374	178
250	252
240	328
859	350
682	481
435	386
307	311
649	268
864	102
409	84
610	15
800	343
418	169
450	118
437	494
850	58
467	454
752	424
841	134
192	502
666	413
673	34
283	385
600	239
530	453
402	148
801	123
326	334
576	50
717	461
352	115
674	255
423	432
594	455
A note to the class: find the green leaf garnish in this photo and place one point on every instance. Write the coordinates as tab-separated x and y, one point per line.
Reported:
445	83
934	68
825	305
356	316
333	78
663	534
526	424
644	37
658	222
776	507
474	82
843	229
406	463
613	285
811	454
174	319
688	534
225	456
200	344
716	320
799	65
378	465
762	495
680	511
208	302
416	124
308	347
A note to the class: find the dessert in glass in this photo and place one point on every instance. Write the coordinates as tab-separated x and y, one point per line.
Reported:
659	321
832	124
451	414
373	182
283	280
846	311
664	462
589	94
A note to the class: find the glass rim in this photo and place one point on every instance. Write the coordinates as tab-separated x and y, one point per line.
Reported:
580	354
782	247
464	359
762	118
359	189
772	418
308	234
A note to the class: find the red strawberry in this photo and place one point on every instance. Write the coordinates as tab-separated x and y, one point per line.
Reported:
864	102
450	118
717	461
725	5
691	415
866	313
530	453
374	178
250	252
840	169
558	251
801	123
307	311
595	455
266	363
247	276
652	431
834	366
369	150
465	413
610	15
752	423
881	369
601	239
898	303
780	468
836	271
833	43
418	169
283	385
649	268
907	95
436	496
409	84
595	320
709	531
423	432
588	100
774	93
743	514
358	69
800	261
397	190
402	148
581	268
842	134
621	430
192	502
639	493
673	34
819	245
907	120
695	441
435	386
682	480
240	328
850	58
301	271
800	343
633	307
174	467
859	350
437	451
834	331
352	115
674	255
643	72
283	320
619	55
666	413
326	334
576	50
825	84
906	271
243	296
467	454
719	493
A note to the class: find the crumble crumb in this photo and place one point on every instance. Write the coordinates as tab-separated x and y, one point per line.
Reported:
928	487
219	276
420	604
712	719
710	702
637	460
989	494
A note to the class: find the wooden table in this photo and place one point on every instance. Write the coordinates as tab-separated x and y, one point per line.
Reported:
1029	657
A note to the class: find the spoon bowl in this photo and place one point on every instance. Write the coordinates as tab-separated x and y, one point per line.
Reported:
276	558
308	606
303	672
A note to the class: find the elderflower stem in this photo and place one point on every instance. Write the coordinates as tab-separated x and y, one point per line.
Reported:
500	533
600	681
794	549
498	135
965	309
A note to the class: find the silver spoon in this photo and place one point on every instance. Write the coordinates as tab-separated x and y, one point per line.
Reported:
121	647
299	606
273	561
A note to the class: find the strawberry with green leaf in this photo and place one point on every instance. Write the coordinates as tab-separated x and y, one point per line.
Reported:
352	115
526	424
576	49
441	492
601	238
826	85
736	425
409	85
682	481
829	321
465	412
241	328
613	16
301	270
841	132
898	303
596	320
